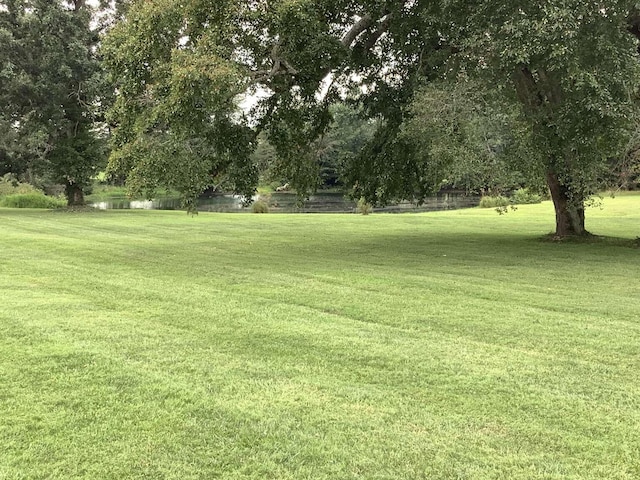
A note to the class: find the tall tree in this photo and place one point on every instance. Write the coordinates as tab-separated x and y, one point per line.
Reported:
51	84
573	69
176	121
568	68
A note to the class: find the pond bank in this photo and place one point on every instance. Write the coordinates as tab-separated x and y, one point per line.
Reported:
288	203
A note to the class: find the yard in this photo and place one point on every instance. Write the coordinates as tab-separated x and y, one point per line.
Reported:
450	345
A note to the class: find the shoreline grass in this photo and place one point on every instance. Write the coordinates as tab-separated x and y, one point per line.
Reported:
148	344
101	193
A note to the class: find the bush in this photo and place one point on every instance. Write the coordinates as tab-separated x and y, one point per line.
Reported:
523	196
31	200
363	207
9	185
494	202
260	206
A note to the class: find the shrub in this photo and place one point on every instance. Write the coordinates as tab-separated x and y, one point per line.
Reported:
260	206
31	200
273	185
364	207
523	196
9	185
494	202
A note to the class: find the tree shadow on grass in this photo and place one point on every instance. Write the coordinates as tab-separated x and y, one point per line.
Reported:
491	248
604	240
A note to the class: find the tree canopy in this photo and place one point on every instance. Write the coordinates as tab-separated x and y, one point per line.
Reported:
52	90
565	73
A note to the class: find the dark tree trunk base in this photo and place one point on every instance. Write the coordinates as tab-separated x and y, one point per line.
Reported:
74	194
569	216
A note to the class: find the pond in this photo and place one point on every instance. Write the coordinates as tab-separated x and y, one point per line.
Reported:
287	203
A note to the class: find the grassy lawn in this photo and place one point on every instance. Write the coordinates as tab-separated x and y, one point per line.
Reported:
453	345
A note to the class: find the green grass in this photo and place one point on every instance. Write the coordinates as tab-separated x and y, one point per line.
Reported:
453	345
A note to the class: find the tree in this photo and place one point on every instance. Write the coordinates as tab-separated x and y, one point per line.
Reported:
180	67
470	138
346	135
51	83
566	69
175	118
573	68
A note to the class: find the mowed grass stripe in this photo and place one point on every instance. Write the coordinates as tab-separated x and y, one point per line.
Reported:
156	345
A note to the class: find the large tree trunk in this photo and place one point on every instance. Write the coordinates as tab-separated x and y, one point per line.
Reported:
541	95
569	212
74	194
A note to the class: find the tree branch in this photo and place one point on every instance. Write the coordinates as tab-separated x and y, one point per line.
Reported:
383	26
360	26
282	66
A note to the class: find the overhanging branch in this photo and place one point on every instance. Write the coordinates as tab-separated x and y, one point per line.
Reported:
360	26
383	26
281	66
